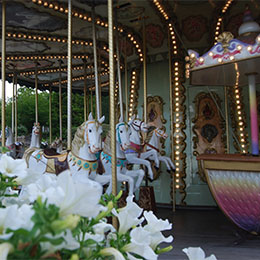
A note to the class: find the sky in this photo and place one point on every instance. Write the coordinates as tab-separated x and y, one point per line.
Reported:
8	89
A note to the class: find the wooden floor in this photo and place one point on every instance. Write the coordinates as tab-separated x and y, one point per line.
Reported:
212	231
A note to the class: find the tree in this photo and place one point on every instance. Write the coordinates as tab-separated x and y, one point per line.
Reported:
26	111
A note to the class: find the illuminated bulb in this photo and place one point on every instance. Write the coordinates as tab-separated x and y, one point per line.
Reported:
201	59
211	54
239	47
249	48
219	60
232	57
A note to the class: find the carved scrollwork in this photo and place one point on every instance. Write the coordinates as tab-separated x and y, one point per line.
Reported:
208	128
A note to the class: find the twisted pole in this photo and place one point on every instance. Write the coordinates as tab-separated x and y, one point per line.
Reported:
69	75
3	70
112	99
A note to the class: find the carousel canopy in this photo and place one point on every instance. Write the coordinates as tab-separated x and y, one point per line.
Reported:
36	35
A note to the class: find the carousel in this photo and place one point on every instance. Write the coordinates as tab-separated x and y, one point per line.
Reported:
182	80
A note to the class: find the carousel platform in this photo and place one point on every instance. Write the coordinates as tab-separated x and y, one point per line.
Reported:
211	230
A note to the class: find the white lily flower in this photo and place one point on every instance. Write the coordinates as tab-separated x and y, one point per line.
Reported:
99	232
154	224
131	257
157	238
129	215
69	243
32	176
111	251
12	168
5	249
44	185
197	253
75	197
102	227
14	218
140	241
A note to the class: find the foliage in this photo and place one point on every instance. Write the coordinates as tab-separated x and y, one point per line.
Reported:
26	111
66	219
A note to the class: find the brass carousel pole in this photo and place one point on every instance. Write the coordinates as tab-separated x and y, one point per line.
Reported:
15	111
99	80
85	91
126	86
119	76
95	64
3	70
227	118
91	100
171	118
60	101
36	93
13	101
50	115
69	75
112	101
145	72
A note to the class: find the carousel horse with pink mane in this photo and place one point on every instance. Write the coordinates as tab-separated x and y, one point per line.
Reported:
16	148
153	143
81	160
123	175
135	153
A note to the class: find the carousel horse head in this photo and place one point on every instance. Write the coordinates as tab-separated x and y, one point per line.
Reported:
160	133
8	131
138	125
57	144
36	130
88	134
123	134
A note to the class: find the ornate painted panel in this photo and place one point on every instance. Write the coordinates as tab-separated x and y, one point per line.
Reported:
209	128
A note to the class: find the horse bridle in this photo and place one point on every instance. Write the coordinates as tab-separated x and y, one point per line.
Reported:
139	127
158	133
118	134
86	129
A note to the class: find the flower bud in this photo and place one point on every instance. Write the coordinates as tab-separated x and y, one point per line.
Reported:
5	249
74	257
164	250
70	222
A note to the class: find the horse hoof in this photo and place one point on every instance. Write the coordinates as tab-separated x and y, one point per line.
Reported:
169	171
156	168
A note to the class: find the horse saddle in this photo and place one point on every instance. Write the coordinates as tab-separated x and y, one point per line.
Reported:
56	163
50	153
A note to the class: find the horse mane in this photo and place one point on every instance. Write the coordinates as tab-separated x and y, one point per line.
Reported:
107	142
149	134
78	140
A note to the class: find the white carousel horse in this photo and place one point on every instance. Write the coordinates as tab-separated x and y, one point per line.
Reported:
16	148
154	144
35	139
57	145
81	160
135	153
123	175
